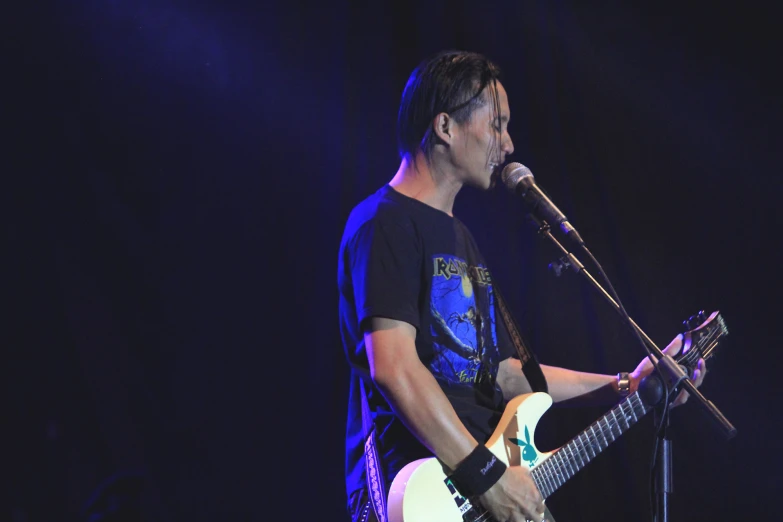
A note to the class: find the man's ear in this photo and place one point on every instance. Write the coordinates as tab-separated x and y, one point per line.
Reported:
444	126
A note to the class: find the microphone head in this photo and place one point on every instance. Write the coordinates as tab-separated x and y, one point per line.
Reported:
515	173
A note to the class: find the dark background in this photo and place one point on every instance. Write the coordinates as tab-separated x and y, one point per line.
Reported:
178	177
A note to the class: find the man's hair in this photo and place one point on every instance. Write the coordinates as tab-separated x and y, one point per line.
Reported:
450	82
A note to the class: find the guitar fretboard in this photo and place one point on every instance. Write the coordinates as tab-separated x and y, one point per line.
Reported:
573	456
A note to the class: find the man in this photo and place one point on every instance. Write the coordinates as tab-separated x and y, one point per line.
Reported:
433	362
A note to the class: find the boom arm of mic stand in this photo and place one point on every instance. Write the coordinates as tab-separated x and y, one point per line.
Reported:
670	370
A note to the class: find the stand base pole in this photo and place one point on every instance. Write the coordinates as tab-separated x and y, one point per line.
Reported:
664	479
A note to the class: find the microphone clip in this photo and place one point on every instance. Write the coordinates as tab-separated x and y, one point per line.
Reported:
541	224
567	261
560	265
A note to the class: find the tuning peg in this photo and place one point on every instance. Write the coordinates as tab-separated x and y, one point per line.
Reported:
694	321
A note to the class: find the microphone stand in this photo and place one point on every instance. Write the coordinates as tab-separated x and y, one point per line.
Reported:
664	479
672	375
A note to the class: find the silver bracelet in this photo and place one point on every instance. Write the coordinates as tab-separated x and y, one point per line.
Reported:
623	384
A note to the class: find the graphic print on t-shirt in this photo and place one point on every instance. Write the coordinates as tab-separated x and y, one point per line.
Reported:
463	327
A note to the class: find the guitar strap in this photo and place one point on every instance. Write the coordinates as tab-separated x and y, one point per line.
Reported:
376	484
530	367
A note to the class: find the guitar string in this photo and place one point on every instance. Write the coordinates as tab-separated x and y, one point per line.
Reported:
561	466
553	477
557	467
483	517
581	443
552	482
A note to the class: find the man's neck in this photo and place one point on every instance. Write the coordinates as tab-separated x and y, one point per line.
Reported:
424	181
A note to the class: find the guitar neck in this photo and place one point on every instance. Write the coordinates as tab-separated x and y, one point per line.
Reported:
579	451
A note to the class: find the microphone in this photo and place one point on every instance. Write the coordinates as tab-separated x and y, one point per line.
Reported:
520	181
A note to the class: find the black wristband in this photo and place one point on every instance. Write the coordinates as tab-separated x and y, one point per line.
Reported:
478	472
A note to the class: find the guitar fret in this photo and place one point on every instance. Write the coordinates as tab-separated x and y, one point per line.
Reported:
603	435
571	459
559	468
632	410
537	482
580	453
628	413
603	440
604	430
553	474
538	475
587	446
551	480
623	415
548	489
591	440
550	484
594	441
611	425
583	460
617	423
642	407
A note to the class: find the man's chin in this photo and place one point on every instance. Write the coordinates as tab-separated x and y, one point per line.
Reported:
484	182
484	185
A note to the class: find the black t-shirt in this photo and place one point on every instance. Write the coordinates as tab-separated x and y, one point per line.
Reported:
402	259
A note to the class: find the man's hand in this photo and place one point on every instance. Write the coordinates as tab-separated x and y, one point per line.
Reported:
645	368
515	497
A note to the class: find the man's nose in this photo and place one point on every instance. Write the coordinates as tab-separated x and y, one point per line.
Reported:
508	145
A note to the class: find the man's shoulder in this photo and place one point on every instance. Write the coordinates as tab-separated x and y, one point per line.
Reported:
381	207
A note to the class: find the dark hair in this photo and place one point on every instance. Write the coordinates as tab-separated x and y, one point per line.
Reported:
450	82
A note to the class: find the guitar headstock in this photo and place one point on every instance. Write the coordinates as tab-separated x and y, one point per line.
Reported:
701	337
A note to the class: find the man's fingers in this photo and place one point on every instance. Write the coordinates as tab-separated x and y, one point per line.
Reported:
698	377
675	346
699	373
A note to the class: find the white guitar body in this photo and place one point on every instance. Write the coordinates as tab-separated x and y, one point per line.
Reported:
421	491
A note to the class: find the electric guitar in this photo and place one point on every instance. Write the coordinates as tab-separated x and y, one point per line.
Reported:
422	492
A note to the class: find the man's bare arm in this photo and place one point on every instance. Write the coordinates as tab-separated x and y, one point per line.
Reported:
413	392
573	388
565	386
418	400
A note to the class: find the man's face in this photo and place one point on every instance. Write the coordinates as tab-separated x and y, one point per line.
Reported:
483	141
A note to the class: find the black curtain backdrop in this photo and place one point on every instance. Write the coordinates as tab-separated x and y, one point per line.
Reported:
180	174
